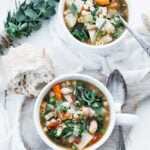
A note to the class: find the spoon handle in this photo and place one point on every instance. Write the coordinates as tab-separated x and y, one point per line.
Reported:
145	45
121	140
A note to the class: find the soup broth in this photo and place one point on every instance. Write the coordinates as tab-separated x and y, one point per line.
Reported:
95	22
74	114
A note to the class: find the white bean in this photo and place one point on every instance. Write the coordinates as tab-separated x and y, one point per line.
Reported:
92	8
91	112
93	126
71	139
85	111
68	98
86	7
91	27
66	90
67	12
77	114
51	94
84	13
59	131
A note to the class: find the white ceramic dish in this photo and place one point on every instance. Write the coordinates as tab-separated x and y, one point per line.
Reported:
123	119
66	35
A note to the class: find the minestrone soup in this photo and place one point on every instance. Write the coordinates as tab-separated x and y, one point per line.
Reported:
95	22
74	114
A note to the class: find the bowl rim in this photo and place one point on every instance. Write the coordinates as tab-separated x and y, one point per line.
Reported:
74	77
111	44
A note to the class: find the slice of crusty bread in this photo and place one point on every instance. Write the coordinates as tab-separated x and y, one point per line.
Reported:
26	72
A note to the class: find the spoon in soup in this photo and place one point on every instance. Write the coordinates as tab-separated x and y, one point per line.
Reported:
117	87
144	44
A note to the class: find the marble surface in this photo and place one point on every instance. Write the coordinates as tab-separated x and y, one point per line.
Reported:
140	135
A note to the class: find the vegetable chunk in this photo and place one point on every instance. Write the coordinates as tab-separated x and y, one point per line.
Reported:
86	138
102	2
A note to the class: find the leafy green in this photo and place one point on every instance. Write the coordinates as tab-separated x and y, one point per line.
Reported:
82	127
50	106
31	13
68	121
100	119
53	134
116	34
73	9
67	132
60	107
94	11
100	29
80	32
84	95
117	21
28	17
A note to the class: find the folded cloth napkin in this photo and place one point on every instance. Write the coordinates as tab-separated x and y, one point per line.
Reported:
10	137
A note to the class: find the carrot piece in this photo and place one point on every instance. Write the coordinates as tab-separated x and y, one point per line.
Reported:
113	5
57	92
102	2
56	88
58	96
64	117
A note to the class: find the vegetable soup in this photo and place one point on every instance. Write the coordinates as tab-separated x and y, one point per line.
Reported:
74	114
95	22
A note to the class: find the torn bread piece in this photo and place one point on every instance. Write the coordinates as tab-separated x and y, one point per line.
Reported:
27	71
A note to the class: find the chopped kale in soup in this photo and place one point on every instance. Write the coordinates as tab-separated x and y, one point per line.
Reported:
74	114
95	22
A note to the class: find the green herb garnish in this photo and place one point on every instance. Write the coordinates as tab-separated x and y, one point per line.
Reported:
60	107
94	11
117	21
80	32
28	17
116	34
100	29
67	131
73	9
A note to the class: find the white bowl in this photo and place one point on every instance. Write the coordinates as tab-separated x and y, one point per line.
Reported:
122	119
67	36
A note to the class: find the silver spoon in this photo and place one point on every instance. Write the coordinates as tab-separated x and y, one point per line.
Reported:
145	45
117	87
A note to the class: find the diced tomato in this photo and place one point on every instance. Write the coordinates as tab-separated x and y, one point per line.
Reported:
94	139
77	140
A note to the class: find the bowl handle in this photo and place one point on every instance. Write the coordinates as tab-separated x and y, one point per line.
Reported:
126	119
